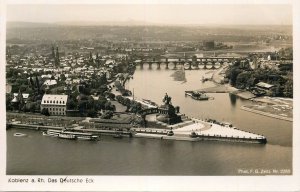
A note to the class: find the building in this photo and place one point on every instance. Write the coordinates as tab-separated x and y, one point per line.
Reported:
50	82
24	96
264	88
56	104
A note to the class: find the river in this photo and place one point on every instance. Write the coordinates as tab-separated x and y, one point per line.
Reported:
40	155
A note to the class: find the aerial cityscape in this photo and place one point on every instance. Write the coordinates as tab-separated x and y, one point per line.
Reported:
133	97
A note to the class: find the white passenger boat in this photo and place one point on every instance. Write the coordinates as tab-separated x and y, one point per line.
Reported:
53	133
70	135
66	136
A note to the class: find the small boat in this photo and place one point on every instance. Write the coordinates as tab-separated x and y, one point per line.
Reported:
197	95
19	135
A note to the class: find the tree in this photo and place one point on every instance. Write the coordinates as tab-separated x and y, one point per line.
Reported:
23	88
107	115
277	91
31	82
100	103
62	77
127	103
71	104
91	113
30	106
90	103
8	101
37	84
136	107
109	106
82	104
288	89
45	112
234	72
242	79
251	82
111	96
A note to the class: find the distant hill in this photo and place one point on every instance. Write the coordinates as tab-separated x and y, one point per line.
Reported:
106	23
20	24
140	31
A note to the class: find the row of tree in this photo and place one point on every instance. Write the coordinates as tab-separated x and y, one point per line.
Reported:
132	105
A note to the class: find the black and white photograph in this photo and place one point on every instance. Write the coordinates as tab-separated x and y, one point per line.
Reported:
132	90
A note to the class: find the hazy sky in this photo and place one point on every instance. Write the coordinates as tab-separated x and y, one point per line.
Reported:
160	14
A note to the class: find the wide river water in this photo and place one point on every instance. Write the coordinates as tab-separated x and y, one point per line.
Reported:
40	155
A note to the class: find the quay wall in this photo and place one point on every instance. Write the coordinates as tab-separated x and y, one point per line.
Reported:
200	138
33	127
148	133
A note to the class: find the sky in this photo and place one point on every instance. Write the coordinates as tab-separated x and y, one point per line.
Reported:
171	14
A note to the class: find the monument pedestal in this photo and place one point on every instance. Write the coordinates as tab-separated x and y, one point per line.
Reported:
169	115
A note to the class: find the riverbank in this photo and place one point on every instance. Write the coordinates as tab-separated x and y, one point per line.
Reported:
218	78
279	108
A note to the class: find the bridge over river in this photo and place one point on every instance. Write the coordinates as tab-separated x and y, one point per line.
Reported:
186	63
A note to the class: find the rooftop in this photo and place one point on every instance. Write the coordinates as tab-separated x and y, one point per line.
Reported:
55	99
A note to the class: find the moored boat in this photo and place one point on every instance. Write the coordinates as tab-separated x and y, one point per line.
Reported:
197	95
71	135
19	135
51	132
66	136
